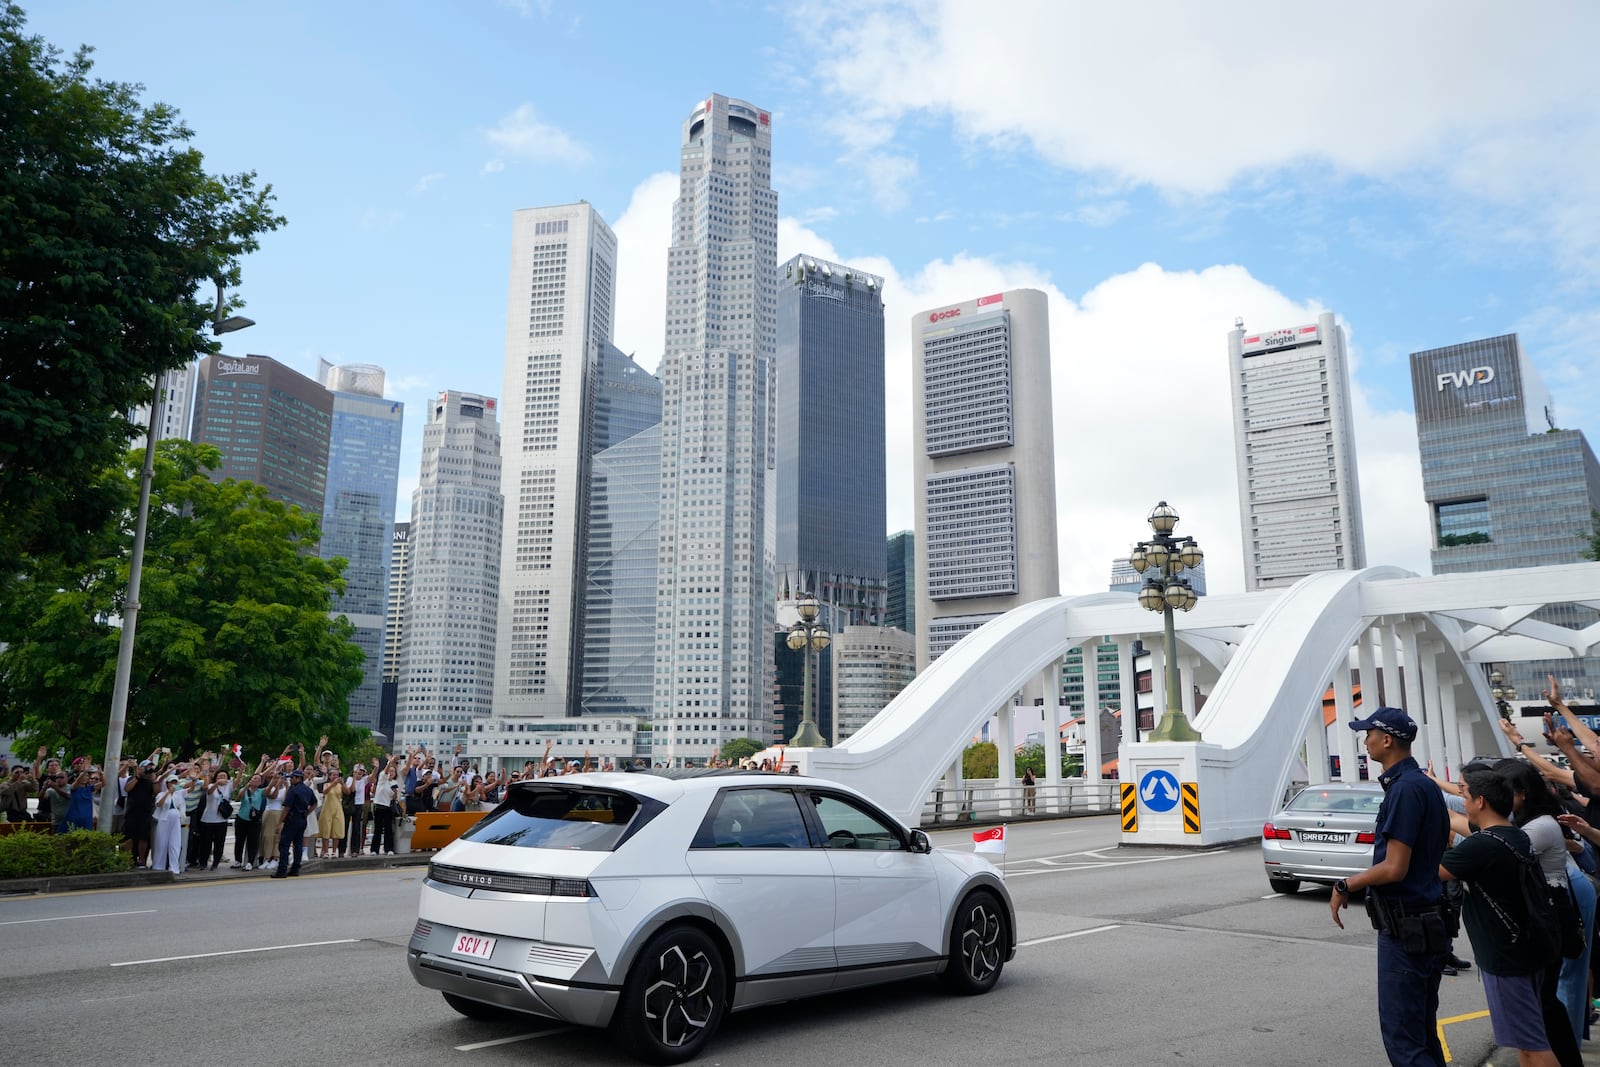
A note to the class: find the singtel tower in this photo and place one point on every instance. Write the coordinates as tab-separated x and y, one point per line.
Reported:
714	616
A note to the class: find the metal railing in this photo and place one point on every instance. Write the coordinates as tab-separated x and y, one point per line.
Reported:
986	800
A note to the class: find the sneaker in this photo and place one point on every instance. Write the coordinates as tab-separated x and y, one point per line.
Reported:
236	866
389	853
248	867
213	866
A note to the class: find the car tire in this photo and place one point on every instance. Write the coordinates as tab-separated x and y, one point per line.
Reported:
978	940
1286	886
675	997
477	1009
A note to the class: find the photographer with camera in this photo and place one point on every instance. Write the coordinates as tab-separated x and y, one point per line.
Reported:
1405	899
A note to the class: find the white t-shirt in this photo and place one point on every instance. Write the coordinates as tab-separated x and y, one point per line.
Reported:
208	812
358	789
274	803
1550	845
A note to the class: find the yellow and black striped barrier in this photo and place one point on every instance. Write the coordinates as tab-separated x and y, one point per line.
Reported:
1191	806
1130	808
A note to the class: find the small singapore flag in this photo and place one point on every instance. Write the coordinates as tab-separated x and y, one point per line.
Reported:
991	840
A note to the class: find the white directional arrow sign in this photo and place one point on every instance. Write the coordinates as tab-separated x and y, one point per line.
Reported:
1159	791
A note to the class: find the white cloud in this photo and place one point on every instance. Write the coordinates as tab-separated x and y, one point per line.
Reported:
522	134
1194	98
644	232
424	182
494	166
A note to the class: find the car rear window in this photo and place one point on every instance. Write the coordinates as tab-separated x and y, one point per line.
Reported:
1336	800
587	820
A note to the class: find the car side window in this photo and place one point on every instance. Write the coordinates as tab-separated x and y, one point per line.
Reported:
847	826
754	818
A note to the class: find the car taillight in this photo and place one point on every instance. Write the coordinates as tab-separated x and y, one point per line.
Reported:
1270	832
1367	837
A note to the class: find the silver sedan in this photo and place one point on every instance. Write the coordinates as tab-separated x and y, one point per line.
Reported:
1325	833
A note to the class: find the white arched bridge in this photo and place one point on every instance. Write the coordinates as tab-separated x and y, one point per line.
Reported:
1266	661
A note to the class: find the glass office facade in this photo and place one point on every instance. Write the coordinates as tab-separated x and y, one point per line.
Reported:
901	610
624	502
358	514
830	437
1505	486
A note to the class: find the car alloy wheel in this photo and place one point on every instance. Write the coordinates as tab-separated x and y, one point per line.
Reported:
675	997
977	944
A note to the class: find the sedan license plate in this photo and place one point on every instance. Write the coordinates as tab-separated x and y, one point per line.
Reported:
473	945
1322	835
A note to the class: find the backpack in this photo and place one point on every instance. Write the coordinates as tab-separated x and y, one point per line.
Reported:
1536	933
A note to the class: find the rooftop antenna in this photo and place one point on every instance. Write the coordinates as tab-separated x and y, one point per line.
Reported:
1238	322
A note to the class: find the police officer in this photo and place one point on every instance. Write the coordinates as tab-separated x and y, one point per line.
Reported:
297	804
1405	895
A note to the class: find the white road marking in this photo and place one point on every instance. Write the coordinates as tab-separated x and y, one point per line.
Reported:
512	1040
1063	937
238	952
1103	862
91	915
1064	833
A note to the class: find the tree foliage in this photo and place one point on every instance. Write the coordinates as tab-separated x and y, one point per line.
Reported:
741	748
980	761
234	644
1594	535
111	237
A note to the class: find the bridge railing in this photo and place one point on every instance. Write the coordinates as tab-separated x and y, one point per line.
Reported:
986	800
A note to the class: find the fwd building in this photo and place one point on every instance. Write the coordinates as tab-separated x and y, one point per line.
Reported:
984	464
1505	486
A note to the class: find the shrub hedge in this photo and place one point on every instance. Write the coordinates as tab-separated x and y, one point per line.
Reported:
32	855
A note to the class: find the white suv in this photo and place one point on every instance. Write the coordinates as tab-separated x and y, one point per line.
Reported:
656	903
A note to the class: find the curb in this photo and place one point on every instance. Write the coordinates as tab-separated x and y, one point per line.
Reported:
146	879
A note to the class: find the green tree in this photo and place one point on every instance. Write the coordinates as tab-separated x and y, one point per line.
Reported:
741	748
1594	535
981	760
111	237
235	641
1031	757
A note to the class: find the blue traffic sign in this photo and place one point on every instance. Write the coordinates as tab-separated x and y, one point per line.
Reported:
1159	791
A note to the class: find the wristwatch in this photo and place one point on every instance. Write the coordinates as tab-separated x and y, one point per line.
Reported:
1342	886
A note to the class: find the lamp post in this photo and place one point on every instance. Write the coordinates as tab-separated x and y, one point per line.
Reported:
1503	694
1165	557
130	604
812	637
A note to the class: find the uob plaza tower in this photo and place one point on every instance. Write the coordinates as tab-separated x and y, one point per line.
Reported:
714	608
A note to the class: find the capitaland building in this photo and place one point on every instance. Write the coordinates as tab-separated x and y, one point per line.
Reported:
984	464
714	590
1294	444
271	424
358	514
1505	485
447	644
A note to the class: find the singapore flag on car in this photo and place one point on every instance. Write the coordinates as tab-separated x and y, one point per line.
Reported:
991	840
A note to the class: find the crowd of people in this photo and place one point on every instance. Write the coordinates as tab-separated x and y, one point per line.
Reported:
175	813
1507	850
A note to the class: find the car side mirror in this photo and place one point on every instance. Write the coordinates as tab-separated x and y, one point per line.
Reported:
920	843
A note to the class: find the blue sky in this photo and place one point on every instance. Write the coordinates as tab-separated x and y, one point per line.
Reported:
1426	173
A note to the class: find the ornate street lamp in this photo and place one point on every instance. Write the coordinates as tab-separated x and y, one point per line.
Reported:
1503	694
1161	560
812	637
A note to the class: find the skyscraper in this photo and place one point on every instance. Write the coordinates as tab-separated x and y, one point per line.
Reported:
830	438
176	409
358	512
714	618
871	665
984	464
1505	486
559	312
624	510
271	424
1299	495
447	646
901	606
394	625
